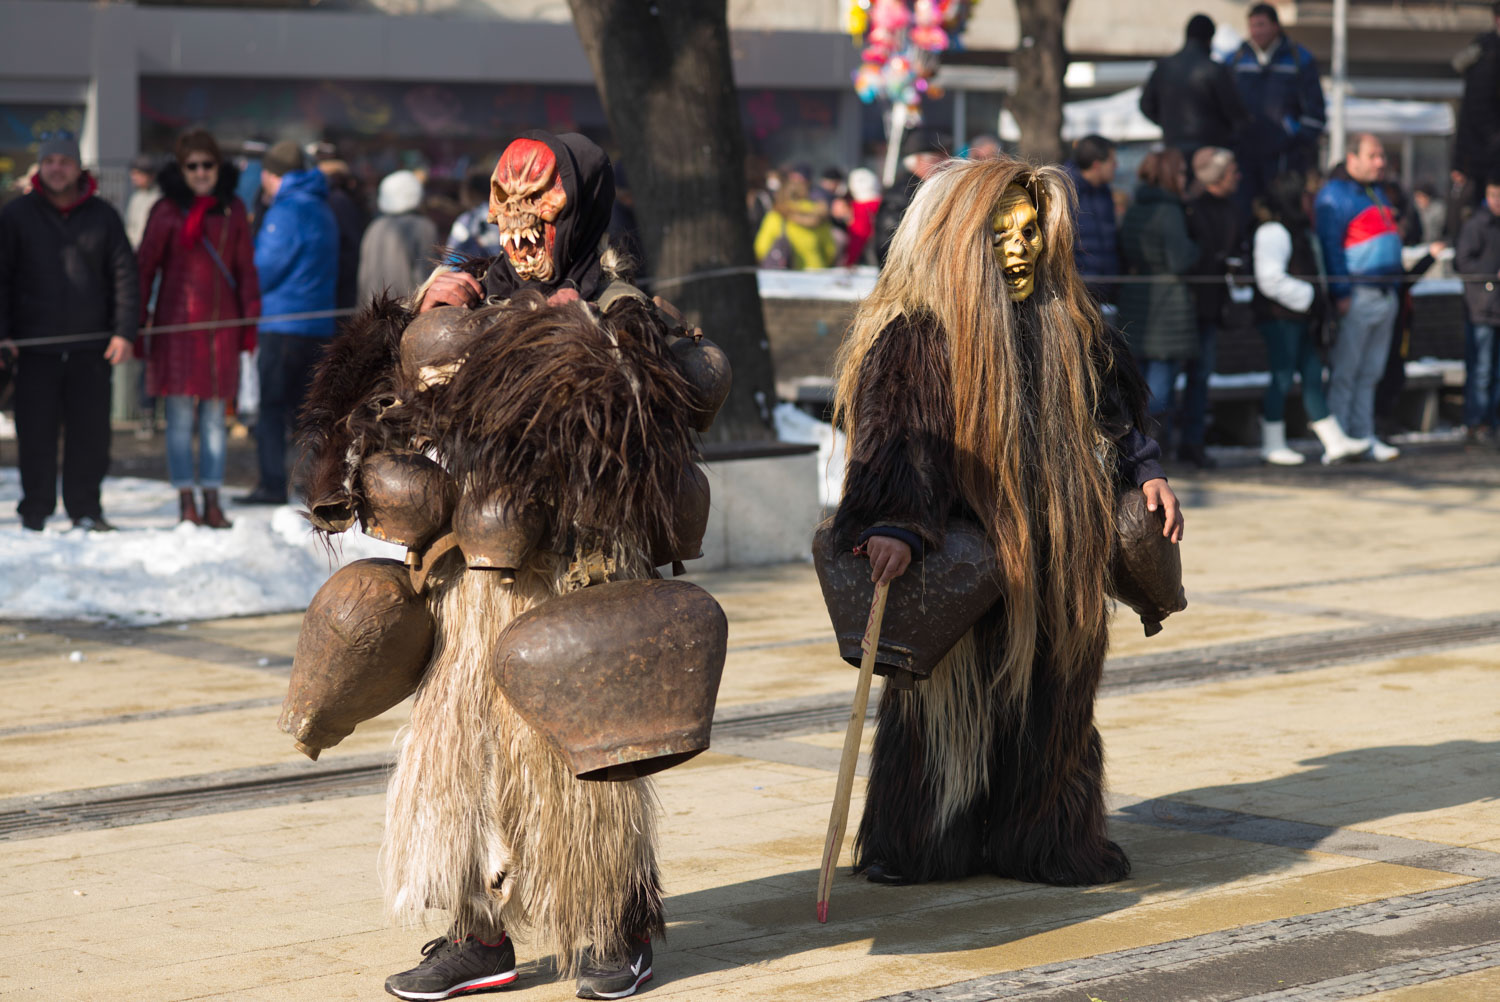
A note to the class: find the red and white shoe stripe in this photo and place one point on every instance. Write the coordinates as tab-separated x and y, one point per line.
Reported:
488	981
640	980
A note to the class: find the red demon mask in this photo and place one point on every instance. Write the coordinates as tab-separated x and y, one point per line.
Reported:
526	197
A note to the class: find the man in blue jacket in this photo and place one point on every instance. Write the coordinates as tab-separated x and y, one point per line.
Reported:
297	256
1362	254
1096	247
1278	81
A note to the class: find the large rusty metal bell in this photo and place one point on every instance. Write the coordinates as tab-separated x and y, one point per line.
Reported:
681	536
1146	568
363	648
408	498
707	368
434	344
929	608
620	678
497	532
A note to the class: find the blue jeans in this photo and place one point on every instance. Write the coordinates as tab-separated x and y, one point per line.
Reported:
182	412
1359	357
1161	379
1290	351
1195	396
1481	376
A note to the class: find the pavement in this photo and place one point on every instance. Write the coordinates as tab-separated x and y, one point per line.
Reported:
1303	768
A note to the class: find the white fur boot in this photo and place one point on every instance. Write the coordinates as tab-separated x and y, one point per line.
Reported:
1337	446
1273	448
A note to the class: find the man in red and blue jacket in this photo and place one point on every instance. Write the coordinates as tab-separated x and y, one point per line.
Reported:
1361	246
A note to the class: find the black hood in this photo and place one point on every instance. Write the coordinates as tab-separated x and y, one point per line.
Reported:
589	181
174	185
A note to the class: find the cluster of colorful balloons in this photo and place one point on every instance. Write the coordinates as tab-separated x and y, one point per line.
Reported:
903	42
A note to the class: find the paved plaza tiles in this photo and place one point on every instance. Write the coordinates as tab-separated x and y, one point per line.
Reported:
1303	767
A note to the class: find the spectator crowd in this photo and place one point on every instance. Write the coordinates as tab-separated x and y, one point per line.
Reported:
1229	221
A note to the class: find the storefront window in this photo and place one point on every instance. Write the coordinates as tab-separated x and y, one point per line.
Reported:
380	127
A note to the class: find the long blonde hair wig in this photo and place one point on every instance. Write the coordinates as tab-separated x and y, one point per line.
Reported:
1025	384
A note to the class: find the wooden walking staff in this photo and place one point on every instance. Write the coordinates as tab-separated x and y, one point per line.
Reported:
839	816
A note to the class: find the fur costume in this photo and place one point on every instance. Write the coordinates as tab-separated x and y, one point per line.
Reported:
1020	417
583	414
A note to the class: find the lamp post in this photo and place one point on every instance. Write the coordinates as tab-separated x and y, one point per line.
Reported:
1340	82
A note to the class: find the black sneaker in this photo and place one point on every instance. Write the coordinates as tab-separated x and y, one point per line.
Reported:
33	524
454	967
93	523
597	981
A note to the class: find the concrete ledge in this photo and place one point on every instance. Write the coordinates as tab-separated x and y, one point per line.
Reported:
763	507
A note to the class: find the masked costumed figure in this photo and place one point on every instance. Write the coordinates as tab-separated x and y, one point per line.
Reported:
984	397
525	427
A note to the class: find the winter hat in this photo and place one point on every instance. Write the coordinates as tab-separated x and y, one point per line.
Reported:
1200	27
1210	164
864	186
63	143
400	191
283	158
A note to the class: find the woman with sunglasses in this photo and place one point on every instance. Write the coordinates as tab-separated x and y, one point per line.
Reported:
198	240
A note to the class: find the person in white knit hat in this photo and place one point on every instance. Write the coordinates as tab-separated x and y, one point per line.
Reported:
399	248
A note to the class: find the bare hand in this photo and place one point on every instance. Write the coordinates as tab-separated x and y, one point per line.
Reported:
452	288
118	350
1436	248
1342	305
563	296
1159	495
889	558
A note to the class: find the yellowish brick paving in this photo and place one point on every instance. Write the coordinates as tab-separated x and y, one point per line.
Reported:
281	903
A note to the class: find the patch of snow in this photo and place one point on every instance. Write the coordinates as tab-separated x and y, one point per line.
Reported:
841	284
795	425
156	570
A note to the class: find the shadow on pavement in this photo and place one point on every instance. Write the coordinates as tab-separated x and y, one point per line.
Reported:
767	920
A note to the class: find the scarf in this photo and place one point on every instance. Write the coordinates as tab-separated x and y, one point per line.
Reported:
192	228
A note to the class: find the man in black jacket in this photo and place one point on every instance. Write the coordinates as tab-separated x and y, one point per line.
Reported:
1193	98
66	272
1479	258
1476	143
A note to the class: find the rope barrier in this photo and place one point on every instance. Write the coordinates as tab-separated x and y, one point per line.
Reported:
658	284
176	328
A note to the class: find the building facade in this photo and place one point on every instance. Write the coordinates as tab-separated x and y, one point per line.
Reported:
439	83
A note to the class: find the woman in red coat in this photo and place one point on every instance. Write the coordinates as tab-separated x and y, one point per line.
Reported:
198	240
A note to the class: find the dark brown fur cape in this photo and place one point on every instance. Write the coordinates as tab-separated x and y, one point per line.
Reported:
587	415
1019	792
348	411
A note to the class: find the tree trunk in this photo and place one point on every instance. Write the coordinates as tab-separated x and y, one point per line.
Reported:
667	84
1040	62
